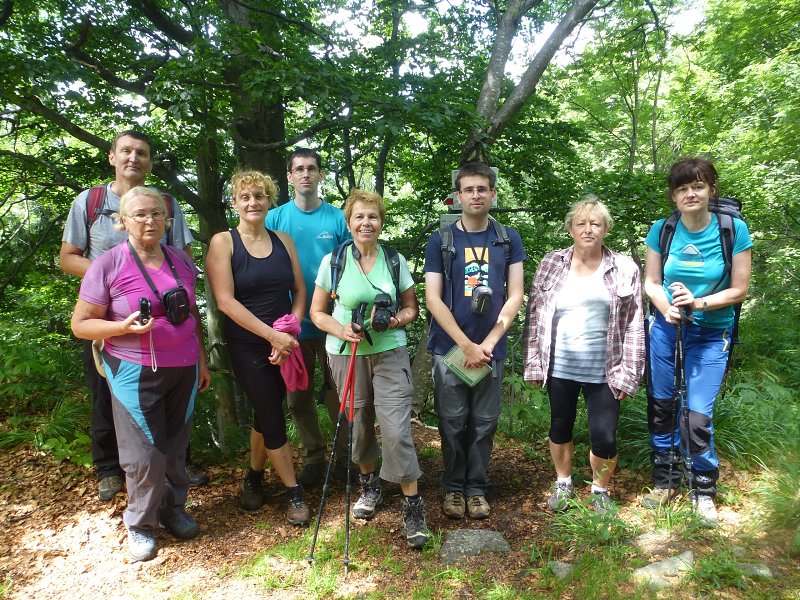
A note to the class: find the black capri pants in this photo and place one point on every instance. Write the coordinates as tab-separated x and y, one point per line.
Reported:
264	387
601	406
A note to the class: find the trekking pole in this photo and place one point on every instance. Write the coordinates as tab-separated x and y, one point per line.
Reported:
326	486
349	485
680	377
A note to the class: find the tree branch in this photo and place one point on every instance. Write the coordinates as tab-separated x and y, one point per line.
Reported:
163	23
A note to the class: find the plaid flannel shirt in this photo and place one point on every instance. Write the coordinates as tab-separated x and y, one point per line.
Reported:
625	343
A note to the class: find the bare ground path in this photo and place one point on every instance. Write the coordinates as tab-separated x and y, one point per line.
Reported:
57	540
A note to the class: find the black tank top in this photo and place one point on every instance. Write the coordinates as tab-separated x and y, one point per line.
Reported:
262	285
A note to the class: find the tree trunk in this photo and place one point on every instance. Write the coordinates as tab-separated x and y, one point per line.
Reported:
209	187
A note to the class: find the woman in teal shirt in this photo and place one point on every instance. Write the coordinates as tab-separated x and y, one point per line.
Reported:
693	282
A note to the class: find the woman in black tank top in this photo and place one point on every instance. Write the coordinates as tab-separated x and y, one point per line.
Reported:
256	278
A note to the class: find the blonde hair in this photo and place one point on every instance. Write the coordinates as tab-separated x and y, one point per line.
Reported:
252	178
365	197
589	204
139	190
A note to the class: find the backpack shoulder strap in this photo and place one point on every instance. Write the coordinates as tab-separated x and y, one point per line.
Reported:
337	266
502	237
727	234
392	258
169	202
666	235
448	256
94	203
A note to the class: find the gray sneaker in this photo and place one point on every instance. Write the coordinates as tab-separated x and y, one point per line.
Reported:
370	496
559	496
601	502
417	534
142	543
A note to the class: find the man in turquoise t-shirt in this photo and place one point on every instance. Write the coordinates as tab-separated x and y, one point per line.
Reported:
316	228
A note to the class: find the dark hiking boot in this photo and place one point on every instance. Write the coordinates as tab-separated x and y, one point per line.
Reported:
296	510
253	490
181	525
197	476
417	534
110	486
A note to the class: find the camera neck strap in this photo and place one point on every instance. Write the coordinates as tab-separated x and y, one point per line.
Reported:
147	277
484	247
357	257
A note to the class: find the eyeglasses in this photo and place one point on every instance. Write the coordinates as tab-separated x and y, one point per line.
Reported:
142	217
482	190
300	170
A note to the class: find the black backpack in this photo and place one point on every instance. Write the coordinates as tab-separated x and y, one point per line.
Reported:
449	255
338	263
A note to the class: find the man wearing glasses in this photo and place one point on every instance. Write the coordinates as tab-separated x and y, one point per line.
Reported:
86	238
317	228
473	291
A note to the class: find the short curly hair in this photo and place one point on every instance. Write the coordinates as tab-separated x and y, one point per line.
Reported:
365	197
252	178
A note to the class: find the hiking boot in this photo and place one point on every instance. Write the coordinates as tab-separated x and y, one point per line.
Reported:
197	476
311	475
417	534
601	502
454	505
181	525
703	506
297	509
370	496
477	507
142	543
659	497
253	490
110	486
561	493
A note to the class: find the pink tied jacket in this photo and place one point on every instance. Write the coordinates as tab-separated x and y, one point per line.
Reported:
293	370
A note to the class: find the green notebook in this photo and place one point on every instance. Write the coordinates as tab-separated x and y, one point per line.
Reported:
455	362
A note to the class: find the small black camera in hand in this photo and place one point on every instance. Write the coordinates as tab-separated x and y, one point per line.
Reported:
144	311
481	299
384	311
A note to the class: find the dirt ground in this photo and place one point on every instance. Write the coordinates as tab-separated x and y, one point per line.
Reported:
58	540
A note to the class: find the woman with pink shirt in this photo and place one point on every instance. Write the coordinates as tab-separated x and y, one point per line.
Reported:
139	298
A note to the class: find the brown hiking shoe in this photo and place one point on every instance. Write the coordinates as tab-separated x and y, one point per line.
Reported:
297	512
477	507
454	505
659	497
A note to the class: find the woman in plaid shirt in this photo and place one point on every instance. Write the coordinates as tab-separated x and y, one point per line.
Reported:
585	333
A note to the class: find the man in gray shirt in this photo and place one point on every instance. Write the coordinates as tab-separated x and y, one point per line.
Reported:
83	241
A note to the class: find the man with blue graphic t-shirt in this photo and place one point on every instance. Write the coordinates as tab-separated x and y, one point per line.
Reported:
468	415
316	228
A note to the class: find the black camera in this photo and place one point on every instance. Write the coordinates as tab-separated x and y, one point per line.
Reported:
144	311
384	311
481	299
